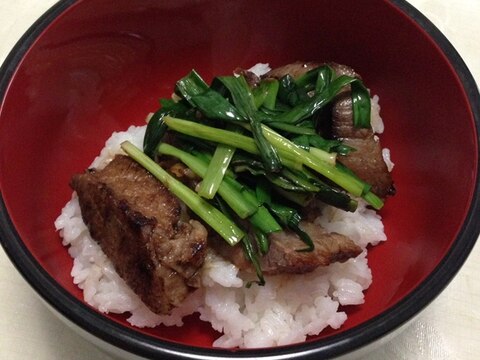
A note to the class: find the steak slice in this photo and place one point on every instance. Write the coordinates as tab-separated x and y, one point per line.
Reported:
141	228
295	70
283	256
299	68
367	161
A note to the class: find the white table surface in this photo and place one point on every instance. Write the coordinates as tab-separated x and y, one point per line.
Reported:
448	329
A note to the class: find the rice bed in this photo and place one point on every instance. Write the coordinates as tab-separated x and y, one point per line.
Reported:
284	311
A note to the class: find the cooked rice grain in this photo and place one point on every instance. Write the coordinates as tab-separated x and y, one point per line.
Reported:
286	310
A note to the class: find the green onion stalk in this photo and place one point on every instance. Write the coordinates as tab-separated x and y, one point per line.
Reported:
225	227
247	143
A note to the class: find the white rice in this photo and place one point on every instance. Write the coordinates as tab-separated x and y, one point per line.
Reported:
284	311
260	69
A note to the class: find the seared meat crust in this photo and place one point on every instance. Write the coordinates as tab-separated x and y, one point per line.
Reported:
284	257
295	70
367	161
137	222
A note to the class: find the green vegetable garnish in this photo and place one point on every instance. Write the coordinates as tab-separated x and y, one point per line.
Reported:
226	228
244	102
258	153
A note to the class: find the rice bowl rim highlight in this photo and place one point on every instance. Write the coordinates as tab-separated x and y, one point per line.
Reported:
143	345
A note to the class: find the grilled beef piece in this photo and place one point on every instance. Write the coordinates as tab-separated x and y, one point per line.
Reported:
284	257
341	69
342	119
295	70
251	78
141	228
367	161
181	172
299	68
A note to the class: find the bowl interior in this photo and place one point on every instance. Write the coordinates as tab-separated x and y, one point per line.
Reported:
99	68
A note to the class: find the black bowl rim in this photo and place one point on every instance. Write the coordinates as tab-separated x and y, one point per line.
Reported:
146	346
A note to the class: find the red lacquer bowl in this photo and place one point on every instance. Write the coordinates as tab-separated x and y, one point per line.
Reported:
88	68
